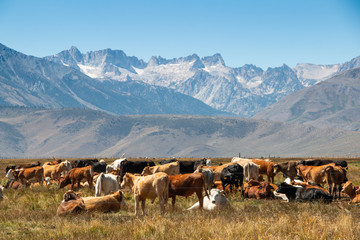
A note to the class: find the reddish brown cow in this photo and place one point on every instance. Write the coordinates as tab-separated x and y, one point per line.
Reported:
72	204
185	185
266	167
350	189
75	175
26	174
258	190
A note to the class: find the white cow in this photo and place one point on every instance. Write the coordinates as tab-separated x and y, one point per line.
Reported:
106	183
116	164
217	201
251	171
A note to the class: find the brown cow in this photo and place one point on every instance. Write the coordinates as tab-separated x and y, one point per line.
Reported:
287	168
108	203
54	171
172	168
187	184
75	175
72	204
313	173
266	167
148	187
28	175
259	190
216	169
335	176
352	191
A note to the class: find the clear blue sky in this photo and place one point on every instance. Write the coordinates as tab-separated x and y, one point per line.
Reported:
267	33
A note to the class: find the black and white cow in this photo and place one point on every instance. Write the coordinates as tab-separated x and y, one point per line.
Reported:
299	193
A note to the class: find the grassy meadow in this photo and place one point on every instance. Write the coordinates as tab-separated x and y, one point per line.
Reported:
31	214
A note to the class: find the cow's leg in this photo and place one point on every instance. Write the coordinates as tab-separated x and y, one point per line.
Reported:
200	197
339	190
136	198
173	202
143	206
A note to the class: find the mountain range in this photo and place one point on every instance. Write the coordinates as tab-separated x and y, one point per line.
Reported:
243	91
37	132
36	82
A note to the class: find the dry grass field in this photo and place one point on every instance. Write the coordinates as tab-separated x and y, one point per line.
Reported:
30	214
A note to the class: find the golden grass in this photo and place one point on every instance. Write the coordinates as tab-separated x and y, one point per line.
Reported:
31	214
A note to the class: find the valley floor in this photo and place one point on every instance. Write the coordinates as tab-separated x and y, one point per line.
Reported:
30	214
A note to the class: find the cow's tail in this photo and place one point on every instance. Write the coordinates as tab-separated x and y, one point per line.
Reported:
98	185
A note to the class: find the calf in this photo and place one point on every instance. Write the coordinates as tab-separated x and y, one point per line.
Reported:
335	176
217	201
75	175
266	167
185	185
109	203
144	187
232	175
106	183
72	204
351	190
172	168
304	194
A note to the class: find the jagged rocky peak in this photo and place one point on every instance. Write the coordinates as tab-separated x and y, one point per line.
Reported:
157	60
215	59
75	53
353	63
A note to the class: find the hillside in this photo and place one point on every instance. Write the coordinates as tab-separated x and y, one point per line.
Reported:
84	133
331	103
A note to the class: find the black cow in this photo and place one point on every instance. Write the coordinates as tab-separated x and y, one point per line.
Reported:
318	162
133	167
83	163
232	175
24	165
304	194
186	166
99	167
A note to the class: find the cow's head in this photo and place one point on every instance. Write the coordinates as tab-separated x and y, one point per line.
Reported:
146	171
71	195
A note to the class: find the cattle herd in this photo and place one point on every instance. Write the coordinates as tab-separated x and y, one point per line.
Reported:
303	181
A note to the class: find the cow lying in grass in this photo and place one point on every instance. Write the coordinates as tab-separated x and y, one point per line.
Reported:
108	203
354	192
72	204
217	201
